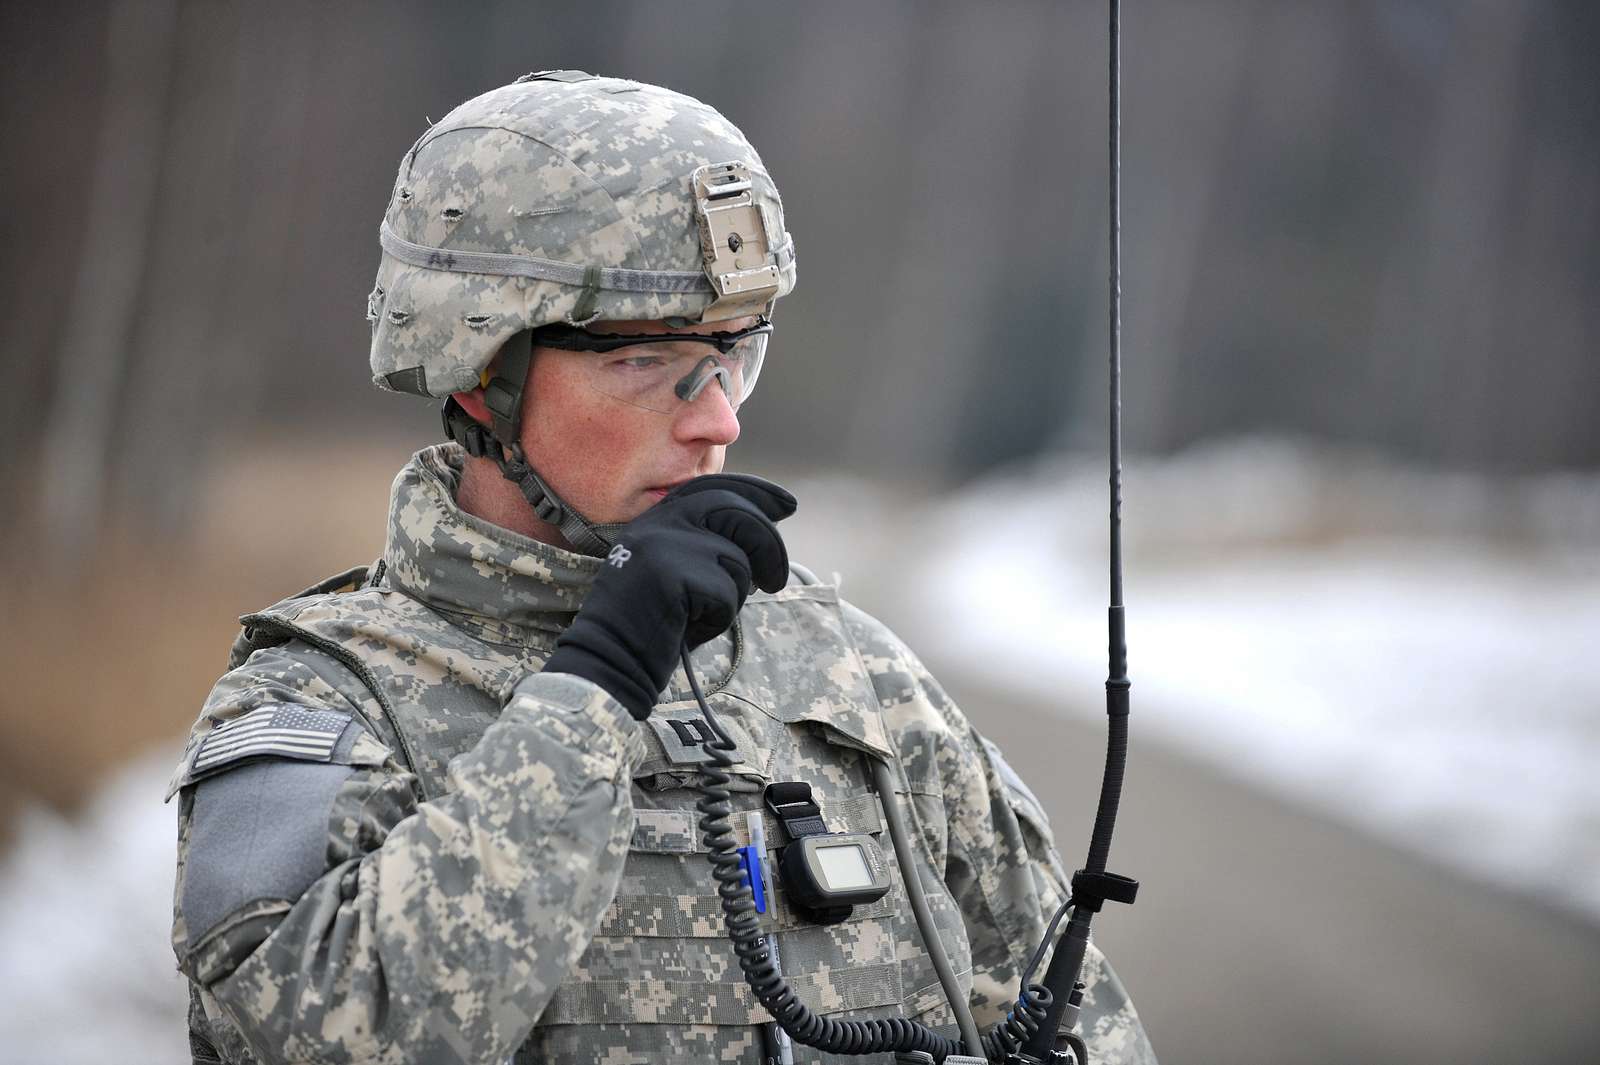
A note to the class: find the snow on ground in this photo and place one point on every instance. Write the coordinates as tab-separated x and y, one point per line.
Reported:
85	908
1415	654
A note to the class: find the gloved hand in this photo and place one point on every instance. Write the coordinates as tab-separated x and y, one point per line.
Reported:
678	574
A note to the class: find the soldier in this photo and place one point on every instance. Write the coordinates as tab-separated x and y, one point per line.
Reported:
440	808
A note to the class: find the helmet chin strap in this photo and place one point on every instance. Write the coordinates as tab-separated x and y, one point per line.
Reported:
503	396
585	536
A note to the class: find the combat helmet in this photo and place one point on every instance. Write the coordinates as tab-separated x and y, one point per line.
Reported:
563	199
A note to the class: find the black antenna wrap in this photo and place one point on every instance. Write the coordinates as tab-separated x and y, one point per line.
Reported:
1092	886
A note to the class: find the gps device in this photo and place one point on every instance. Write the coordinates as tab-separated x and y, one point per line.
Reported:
824	873
839	869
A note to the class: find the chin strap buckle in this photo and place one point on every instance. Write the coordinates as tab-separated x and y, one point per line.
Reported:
460	427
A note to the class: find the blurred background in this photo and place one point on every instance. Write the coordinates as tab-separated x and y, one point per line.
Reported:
1362	409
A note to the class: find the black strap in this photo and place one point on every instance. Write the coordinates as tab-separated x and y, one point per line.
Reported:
503	394
464	430
791	803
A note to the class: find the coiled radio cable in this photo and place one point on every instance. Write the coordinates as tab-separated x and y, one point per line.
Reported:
893	1034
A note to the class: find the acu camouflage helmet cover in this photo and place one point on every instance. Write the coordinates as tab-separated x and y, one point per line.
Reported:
564	197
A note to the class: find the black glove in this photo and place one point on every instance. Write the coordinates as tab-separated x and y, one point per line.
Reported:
678	575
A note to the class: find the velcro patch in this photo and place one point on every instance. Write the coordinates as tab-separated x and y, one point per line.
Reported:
683	737
282	731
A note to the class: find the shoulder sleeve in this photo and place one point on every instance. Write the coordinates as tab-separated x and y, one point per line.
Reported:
327	914
1001	863
274	680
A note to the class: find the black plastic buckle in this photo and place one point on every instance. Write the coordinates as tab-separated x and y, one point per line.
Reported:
460	427
1091	890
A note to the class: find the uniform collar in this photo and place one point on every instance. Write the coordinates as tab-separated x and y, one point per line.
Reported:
501	583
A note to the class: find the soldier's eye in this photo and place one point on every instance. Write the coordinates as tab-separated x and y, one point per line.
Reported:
640	362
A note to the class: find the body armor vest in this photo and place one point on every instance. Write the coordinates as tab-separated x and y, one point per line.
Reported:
660	981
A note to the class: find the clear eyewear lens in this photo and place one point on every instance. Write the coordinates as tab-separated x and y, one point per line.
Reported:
662	375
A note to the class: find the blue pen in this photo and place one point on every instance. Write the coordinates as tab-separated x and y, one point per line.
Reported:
756	866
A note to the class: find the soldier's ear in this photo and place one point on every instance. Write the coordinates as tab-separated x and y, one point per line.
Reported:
472	403
515	357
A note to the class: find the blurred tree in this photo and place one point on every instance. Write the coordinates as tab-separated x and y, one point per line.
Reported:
1372	222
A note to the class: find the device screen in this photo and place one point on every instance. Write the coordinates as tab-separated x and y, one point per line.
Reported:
844	867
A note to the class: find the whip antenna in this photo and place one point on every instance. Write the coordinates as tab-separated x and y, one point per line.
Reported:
1092	886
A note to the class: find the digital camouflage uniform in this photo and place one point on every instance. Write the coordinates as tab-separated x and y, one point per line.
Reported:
421	849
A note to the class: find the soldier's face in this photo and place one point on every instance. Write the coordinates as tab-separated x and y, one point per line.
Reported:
608	458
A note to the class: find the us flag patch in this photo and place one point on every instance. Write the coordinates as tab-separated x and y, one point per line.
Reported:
282	731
